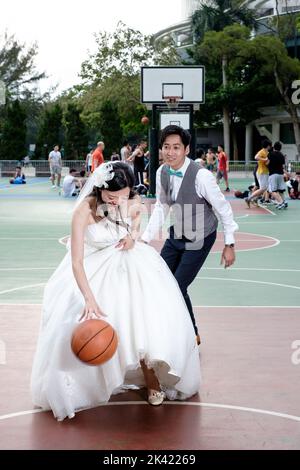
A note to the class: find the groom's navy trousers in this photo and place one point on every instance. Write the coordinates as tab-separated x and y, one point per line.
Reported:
185	264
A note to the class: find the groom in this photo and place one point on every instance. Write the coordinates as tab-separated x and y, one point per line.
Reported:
195	199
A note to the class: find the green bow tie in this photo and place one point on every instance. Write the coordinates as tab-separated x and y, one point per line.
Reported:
175	173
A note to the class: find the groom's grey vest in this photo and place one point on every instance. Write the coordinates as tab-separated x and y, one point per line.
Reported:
194	218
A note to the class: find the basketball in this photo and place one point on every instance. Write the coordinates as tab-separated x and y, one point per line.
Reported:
94	342
238	194
145	120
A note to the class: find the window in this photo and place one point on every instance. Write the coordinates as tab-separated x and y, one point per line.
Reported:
287	133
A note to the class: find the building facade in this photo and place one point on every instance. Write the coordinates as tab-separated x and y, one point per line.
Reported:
275	123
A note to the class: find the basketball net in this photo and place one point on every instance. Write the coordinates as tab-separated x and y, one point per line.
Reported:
172	102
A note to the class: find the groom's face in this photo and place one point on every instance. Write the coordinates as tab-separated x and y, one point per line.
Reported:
173	151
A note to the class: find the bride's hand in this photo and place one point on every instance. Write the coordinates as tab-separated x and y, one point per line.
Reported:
126	243
92	311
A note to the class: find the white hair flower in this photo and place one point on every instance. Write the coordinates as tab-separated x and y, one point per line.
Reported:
102	174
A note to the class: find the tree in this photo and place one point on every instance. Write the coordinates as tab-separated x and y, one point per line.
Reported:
215	15
50	131
276	65
236	86
13	135
76	140
110	127
17	68
113	74
122	53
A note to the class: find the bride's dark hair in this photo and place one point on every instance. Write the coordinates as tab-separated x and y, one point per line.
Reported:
124	178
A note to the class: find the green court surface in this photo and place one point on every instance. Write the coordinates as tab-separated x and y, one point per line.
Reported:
34	218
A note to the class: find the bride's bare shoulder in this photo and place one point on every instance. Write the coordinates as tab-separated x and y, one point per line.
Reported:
84	210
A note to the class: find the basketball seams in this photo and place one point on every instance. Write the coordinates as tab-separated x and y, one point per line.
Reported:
90	339
103	352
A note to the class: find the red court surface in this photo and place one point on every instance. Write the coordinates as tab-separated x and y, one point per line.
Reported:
249	398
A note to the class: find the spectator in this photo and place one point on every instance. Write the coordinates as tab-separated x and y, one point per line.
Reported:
19	177
223	167
71	185
55	165
125	151
294	186
98	158
88	161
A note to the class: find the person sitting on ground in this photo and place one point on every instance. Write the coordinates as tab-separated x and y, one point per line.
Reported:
71	185
19	177
294	186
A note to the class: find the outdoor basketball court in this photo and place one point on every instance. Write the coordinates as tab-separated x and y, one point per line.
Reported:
248	317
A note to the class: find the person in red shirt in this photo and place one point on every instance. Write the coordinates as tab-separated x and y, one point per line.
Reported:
98	158
223	167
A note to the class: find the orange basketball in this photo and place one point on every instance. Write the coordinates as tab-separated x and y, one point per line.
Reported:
145	120
94	342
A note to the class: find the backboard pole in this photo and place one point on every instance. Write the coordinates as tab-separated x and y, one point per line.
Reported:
153	145
192	154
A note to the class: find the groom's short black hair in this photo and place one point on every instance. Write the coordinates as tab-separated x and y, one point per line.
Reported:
177	130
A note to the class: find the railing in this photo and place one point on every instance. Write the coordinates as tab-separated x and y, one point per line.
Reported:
38	167
41	167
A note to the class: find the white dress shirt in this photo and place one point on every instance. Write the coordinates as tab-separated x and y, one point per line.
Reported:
206	187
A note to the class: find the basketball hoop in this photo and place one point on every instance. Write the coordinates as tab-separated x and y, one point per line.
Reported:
172	102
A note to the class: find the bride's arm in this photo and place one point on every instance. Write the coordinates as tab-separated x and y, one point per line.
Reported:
135	213
79	224
135	210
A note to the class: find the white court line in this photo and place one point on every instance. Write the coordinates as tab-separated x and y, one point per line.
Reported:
21	288
173	403
195	306
19	238
202	269
276	242
247	281
240	306
27	269
241	216
268	210
285	222
252	269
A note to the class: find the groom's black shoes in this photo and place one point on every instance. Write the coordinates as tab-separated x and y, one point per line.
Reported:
198	339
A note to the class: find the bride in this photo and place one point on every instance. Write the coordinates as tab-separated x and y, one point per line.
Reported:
107	273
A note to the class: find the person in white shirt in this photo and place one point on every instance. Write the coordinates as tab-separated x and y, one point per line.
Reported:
55	165
71	185
195	198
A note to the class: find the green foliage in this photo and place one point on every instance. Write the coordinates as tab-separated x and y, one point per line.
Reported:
215	15
76	139
13	132
17	68
113	74
110	127
50	131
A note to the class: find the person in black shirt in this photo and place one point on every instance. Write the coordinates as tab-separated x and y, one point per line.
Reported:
277	185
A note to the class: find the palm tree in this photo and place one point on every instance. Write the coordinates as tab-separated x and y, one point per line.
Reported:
214	15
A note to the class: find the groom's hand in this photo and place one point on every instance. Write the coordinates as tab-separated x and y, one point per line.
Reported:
228	256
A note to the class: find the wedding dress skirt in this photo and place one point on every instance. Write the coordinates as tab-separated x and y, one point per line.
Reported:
143	303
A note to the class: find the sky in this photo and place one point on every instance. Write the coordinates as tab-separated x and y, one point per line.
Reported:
63	29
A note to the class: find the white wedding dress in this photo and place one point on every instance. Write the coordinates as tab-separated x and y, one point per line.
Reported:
144	304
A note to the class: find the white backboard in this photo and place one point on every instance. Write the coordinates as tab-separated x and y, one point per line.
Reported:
179	119
186	82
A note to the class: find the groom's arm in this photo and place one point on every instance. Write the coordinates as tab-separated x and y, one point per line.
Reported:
158	215
207	187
